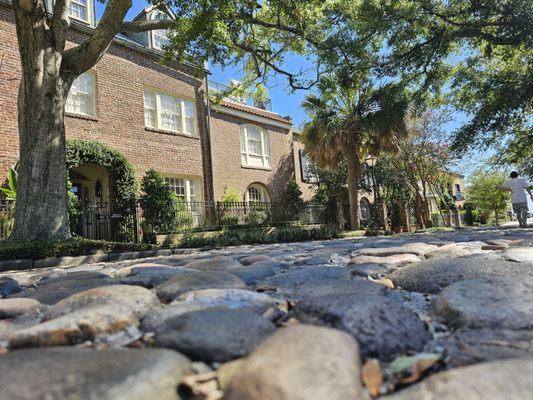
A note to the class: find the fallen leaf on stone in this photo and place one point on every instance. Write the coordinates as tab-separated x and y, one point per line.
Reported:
227	371
200	387
409	369
372	377
383	281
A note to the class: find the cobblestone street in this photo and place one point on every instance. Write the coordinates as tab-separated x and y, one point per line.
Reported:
403	317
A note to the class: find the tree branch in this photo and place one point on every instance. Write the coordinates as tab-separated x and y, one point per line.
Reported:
81	58
143	26
60	22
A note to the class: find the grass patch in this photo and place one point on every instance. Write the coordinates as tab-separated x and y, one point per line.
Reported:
39	249
265	235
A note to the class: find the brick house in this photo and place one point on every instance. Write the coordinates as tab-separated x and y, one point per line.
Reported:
158	117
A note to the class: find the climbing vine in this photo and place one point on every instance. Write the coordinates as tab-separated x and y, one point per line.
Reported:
122	181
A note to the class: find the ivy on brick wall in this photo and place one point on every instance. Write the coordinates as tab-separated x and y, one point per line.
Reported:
122	181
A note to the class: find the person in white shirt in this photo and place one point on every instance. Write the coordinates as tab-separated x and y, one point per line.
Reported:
517	187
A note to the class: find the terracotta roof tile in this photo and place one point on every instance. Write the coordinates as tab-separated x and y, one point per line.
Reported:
256	111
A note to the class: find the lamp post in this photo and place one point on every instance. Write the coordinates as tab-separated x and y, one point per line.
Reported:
380	207
371	162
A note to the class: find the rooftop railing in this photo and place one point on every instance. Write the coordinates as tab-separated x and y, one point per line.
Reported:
263	104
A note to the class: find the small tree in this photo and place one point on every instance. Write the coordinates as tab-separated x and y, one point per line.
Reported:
159	204
294	203
485	195
229	198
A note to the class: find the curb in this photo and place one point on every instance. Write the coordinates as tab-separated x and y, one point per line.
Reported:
68	261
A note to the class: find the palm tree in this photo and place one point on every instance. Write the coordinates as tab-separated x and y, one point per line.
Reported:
348	120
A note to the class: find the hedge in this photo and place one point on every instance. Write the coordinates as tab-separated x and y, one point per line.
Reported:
40	249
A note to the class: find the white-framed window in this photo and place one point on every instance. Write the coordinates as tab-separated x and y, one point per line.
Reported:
159	36
305	168
80	9
82	96
170	113
187	189
254	146
256	193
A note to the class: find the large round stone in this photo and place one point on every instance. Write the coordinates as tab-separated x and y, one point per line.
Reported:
12	308
254	258
471	346
382	326
433	275
215	335
502	303
8	286
230	298
258	271
77	327
153	276
289	281
519	254
300	362
395	259
51	290
174	287
217	263
134	298
74	373
508	379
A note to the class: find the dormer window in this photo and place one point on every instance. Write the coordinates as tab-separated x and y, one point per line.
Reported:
159	36
80	9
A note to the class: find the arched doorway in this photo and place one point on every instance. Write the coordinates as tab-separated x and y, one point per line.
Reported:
104	183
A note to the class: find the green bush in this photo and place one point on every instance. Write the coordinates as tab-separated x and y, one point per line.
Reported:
159	205
39	249
230	195
255	217
257	235
293	200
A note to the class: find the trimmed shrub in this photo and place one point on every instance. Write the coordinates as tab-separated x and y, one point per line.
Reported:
39	249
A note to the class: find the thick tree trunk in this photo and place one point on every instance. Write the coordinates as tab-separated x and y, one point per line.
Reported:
354	175
42	209
42	203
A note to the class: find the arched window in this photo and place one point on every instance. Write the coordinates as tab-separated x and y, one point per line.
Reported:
254	146
364	205
159	36
257	193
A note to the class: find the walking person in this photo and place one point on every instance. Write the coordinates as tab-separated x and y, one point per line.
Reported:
517	186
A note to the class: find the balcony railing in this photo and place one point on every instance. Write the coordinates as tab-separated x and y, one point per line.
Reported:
263	104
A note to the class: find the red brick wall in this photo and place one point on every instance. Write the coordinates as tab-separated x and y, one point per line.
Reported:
121	76
227	169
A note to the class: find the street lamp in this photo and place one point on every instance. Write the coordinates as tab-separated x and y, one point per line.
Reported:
371	162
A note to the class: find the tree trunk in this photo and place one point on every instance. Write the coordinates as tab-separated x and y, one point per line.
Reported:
41	207
354	174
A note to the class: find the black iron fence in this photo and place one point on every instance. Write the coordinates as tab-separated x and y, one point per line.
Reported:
200	215
98	220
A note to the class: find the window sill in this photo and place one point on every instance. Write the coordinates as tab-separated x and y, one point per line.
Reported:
166	132
256	167
81	116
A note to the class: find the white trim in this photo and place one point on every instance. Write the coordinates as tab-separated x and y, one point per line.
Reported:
94	96
183	121
250	117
